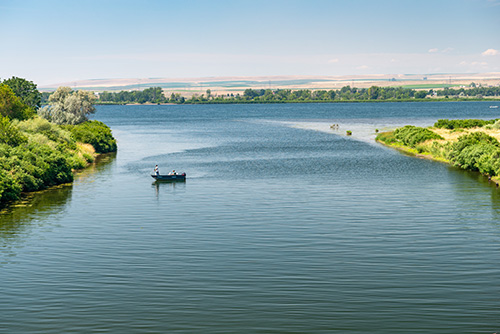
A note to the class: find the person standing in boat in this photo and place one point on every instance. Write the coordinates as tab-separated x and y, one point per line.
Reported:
157	172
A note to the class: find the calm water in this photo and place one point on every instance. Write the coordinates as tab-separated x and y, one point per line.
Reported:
283	226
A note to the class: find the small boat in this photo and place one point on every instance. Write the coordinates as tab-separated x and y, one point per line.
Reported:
170	177
493	107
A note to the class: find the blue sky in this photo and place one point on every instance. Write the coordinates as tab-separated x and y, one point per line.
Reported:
57	41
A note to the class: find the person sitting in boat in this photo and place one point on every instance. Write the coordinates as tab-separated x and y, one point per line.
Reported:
172	172
157	172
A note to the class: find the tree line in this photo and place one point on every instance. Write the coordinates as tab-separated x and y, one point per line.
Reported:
345	94
149	95
478	92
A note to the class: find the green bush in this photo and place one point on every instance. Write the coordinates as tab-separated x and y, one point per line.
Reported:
10	134
10	189
489	163
412	135
52	131
472	139
462	123
477	152
96	134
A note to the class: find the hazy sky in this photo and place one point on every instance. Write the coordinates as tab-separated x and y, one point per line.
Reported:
64	40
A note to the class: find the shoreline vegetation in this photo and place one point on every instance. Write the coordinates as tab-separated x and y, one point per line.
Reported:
156	95
44	147
470	144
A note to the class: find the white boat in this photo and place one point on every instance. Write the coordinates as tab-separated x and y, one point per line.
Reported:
493	107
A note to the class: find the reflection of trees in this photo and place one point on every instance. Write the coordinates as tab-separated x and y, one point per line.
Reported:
477	193
16	219
495	200
102	163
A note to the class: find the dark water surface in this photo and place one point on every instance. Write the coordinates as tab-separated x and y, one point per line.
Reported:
283	226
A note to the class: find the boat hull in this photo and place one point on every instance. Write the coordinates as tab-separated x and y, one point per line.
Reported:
170	178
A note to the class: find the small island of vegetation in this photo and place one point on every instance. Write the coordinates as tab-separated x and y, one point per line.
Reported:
471	144
42	147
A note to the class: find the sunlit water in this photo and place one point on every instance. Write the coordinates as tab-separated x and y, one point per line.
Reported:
283	226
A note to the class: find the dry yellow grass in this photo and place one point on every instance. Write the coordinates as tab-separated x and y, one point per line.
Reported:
85	149
453	135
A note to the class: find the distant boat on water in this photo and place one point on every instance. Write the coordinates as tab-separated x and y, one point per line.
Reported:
493	107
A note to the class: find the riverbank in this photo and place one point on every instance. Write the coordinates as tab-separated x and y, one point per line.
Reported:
474	148
36	154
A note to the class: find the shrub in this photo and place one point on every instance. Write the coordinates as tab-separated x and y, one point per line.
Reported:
462	123
472	139
489	163
52	131
412	135
10	134
96	134
10	189
469	157
476	151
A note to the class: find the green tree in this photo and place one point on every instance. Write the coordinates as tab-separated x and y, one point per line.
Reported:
11	106
250	93
68	107
373	92
26	91
421	94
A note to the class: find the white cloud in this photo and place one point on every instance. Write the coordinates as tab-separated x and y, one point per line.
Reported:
362	67
490	52
435	50
335	60
463	62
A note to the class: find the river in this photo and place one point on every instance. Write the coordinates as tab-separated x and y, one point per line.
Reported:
284	225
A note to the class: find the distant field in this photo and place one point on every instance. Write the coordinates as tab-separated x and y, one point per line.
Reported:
239	84
429	86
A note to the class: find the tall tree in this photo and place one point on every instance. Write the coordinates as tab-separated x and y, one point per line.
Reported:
26	91
11	106
69	107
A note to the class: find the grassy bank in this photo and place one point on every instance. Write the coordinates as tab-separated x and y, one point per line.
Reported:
469	144
36	154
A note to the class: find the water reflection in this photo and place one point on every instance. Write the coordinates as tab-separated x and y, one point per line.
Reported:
164	187
19	220
495	203
475	193
103	162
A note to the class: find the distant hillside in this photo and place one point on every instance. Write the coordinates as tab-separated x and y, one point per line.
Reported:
228	85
